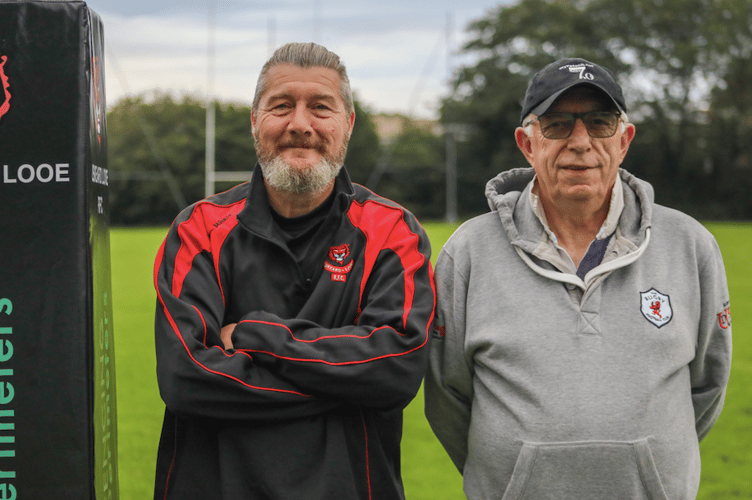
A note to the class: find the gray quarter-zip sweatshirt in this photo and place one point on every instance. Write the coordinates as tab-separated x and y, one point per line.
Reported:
543	385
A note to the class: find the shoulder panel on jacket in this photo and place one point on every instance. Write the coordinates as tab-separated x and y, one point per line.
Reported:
385	227
208	225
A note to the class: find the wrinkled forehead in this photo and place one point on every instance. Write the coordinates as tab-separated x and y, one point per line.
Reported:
583	98
289	78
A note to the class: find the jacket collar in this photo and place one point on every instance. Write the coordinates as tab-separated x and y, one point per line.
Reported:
257	213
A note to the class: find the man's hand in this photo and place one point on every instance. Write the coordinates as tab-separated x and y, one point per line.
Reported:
226	335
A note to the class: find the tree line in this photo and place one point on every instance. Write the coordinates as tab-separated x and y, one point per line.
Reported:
157	155
685	66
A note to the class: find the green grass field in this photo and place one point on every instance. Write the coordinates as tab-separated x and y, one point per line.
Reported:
428	474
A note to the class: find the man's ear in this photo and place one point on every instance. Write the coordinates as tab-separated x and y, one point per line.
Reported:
350	124
626	139
253	120
524	143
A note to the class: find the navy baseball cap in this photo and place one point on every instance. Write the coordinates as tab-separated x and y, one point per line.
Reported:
553	80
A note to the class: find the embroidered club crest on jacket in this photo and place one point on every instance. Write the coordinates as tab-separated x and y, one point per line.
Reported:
338	254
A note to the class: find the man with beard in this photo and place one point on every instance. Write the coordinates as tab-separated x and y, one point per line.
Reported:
293	312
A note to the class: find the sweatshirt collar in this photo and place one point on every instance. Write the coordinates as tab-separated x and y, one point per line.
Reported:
609	225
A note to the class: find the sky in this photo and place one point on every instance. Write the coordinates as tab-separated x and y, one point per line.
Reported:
399	54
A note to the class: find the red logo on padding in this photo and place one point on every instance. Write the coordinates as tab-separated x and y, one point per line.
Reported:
5	106
96	92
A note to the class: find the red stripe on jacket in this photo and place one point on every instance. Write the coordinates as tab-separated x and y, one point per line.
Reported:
206	229
384	227
196	236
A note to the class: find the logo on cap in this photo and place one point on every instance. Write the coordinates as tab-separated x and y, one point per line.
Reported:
581	69
5	106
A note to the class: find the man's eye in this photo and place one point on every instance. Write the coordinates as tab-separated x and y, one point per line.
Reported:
557	125
554	120
599	119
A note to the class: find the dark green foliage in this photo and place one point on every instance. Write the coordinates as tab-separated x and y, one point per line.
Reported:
156	141
414	176
685	69
364	150
685	66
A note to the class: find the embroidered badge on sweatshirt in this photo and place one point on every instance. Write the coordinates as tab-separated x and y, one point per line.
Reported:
724	317
656	307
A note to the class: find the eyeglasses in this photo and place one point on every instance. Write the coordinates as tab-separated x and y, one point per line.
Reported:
599	124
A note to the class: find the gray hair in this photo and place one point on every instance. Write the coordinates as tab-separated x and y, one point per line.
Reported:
306	55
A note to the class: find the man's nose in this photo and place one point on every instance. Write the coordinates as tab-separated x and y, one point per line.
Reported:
300	120
580	136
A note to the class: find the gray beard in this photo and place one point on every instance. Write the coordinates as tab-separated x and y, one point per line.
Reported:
280	175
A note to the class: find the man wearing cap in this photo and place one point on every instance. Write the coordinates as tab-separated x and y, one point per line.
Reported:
583	337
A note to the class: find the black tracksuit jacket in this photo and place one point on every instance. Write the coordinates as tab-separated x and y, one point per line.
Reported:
308	404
